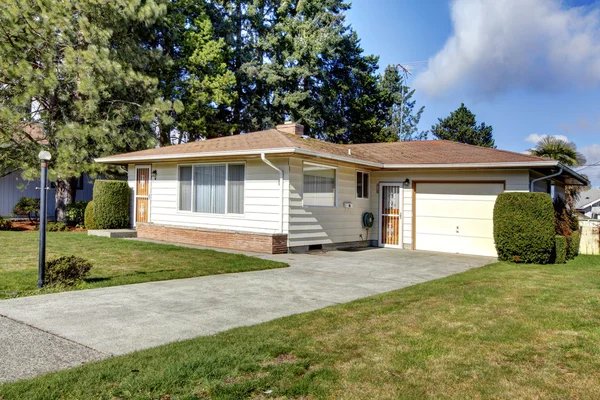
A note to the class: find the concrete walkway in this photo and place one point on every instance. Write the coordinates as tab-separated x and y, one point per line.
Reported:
118	320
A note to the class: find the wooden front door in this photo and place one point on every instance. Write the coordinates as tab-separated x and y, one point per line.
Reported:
142	194
391	215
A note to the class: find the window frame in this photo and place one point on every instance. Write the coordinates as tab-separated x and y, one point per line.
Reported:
226	213
362	197
335	197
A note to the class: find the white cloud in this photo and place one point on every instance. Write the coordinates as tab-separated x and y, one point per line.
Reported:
536	137
499	45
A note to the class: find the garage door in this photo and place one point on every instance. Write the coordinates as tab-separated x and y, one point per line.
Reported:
456	217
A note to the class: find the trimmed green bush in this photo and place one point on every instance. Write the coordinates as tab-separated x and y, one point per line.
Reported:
89	220
5	224
560	254
66	271
76	212
111	204
27	206
524	228
573	245
54	227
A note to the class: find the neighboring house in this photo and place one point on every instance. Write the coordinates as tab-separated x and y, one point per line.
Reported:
13	187
589	203
277	190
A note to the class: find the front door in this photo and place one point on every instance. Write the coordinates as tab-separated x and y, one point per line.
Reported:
142	194
391	215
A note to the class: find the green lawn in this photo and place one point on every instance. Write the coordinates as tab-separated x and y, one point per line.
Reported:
115	261
503	331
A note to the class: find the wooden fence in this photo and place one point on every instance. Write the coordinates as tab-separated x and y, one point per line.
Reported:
590	237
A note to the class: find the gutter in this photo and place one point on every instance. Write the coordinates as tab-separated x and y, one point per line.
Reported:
270	164
544	178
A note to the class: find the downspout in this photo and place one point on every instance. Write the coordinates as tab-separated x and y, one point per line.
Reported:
270	164
544	178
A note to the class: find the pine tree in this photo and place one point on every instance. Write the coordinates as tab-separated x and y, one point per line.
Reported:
401	120
75	81
461	126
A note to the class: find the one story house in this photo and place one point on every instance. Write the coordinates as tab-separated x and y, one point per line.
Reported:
13	187
277	190
589	203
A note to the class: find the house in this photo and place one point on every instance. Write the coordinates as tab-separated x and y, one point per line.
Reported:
278	190
13	187
589	203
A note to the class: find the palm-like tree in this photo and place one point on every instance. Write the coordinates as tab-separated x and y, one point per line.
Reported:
560	150
566	153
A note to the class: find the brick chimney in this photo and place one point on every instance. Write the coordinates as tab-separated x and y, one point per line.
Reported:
291	128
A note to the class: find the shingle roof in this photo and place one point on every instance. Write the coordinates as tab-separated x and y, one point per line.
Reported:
399	153
588	197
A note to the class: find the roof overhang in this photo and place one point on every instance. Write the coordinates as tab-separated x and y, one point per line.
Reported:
576	179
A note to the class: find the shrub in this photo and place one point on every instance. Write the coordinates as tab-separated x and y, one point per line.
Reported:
562	217
111	204
524	228
5	224
27	206
573	242
54	227
76	212
89	220
66	271
560	254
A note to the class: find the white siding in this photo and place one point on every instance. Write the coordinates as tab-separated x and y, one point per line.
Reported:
324	225
13	187
261	200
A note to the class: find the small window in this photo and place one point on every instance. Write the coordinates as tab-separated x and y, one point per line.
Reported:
362	185
319	185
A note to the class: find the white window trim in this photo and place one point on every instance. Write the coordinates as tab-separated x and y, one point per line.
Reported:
226	214
335	200
355	184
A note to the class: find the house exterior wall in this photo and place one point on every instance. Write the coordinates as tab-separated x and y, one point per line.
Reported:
261	199
304	225
13	187
516	181
311	225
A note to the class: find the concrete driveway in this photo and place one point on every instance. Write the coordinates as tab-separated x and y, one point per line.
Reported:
121	319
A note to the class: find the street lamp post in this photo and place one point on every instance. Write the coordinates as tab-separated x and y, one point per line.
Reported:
44	157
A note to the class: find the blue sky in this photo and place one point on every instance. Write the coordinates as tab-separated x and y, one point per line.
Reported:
526	67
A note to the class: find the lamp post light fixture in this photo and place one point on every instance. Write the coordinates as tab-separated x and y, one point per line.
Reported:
44	157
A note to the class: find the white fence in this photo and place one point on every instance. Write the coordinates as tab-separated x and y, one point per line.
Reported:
590	237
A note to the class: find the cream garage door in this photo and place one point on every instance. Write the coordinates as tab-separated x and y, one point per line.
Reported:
456	217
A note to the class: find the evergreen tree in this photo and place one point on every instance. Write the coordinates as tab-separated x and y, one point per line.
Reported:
75	81
401	120
461	126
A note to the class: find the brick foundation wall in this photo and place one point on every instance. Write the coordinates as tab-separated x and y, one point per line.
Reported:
245	241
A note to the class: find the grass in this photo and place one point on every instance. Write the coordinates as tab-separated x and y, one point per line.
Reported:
503	331
115	261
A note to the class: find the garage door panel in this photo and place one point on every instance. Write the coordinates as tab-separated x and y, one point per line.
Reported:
449	244
456	217
458	209
447	226
460	189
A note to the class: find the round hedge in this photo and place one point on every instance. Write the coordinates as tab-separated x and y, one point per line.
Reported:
524	228
89	220
111	204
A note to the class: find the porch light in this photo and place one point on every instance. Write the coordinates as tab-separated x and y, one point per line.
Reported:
154	174
406	182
